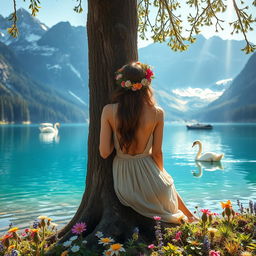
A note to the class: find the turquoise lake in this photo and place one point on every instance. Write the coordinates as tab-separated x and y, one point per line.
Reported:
46	175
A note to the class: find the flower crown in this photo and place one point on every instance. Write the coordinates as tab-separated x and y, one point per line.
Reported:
127	84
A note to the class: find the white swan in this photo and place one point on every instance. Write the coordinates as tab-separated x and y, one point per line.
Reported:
208	166
206	157
50	129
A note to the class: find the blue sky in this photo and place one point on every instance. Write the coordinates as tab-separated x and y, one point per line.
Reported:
54	11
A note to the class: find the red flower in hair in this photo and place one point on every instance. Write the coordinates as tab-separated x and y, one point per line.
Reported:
149	74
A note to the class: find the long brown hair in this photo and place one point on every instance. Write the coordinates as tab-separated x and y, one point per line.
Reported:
130	104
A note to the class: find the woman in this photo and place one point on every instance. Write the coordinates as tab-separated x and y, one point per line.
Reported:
133	125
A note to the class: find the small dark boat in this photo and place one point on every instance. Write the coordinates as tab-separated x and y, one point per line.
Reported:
199	126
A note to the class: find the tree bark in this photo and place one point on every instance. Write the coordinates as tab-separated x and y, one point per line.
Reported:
112	42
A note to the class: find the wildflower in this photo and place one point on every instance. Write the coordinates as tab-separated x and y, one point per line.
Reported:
67	243
13	230
246	253
1	247
24	235
151	246
157	218
6	240
79	228
11	247
214	253
206	211
154	254
36	224
65	253
228	204
99	234
27	230
106	253
106	240
73	238
75	248
212	230
41	217
178	235
116	248
14	253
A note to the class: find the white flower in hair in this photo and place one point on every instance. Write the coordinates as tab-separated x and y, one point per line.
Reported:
128	83
144	82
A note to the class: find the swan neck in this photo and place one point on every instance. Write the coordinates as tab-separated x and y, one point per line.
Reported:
199	151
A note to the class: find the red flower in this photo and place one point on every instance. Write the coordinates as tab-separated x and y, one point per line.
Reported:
123	83
157	218
206	211
178	235
149	74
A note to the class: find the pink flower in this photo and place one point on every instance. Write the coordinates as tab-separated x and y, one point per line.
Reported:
24	234
27	230
214	213
157	218
237	213
206	211
123	83
151	246
79	228
178	235
149	74
214	253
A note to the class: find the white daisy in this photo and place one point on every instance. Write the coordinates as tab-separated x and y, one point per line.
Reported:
105	240
115	249
67	243
75	248
73	238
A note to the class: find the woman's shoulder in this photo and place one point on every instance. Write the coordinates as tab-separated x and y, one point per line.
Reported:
159	112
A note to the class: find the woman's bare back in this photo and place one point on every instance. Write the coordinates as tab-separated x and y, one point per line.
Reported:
147	124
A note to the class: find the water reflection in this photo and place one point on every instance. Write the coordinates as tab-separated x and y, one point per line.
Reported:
48	138
207	166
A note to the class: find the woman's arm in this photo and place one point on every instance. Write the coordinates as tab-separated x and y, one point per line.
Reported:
157	153
106	140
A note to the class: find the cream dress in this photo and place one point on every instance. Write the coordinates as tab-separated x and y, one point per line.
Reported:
141	185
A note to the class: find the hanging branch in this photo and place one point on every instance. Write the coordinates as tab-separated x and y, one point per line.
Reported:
13	30
243	24
78	8
166	25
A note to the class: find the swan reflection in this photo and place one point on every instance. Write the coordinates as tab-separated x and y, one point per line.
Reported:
49	138
207	166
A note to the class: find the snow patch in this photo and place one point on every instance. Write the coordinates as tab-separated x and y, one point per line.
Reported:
43	27
75	71
56	67
224	81
203	94
32	38
78	98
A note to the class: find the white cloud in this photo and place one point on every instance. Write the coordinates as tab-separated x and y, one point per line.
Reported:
204	94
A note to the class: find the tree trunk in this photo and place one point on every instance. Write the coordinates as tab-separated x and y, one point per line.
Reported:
112	40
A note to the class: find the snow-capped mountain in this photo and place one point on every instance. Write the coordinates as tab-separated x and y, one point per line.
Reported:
31	29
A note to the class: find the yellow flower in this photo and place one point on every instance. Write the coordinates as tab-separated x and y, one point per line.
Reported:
11	247
49	219
154	254
12	230
245	254
116	248
34	230
42	217
65	253
105	240
212	230
228	204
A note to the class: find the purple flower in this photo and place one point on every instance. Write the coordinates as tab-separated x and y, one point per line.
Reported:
1	247
14	253
35	224
79	228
